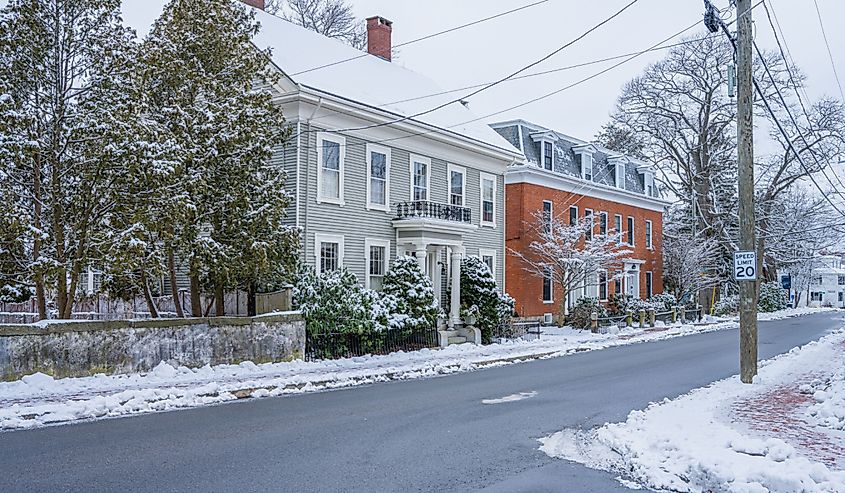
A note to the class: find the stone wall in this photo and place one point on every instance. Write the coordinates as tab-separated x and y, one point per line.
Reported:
81	348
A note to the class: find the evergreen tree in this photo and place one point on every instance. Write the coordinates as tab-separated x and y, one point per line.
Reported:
481	296
201	74
414	292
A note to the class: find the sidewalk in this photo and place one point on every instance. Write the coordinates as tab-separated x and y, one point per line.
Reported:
39	400
784	433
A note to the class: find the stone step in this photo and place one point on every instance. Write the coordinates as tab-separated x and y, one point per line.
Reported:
457	340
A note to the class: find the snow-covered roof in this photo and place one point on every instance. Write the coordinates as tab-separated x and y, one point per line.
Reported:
367	80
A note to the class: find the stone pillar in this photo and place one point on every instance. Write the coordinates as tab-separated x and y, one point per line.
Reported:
455	302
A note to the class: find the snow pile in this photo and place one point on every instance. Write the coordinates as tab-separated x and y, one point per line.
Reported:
829	396
38	400
695	443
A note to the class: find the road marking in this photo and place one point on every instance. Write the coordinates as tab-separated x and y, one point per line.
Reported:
510	398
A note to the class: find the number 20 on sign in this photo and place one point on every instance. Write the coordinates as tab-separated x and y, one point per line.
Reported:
745	266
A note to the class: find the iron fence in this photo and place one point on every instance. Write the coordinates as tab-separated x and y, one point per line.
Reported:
349	340
433	210
528	330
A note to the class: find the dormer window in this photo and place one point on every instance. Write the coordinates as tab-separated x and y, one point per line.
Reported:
548	156
586	152
546	143
618	164
648	179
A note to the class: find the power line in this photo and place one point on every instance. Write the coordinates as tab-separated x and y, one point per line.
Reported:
829	52
504	79
429	36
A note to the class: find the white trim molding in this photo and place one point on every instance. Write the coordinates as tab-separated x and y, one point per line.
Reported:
328	238
341	141
450	168
486	252
415	158
374	242
482	178
374	148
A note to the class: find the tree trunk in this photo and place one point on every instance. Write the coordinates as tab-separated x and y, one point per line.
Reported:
250	299
196	308
174	286
219	306
148	297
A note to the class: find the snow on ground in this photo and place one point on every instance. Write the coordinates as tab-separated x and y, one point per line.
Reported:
782	434
38	399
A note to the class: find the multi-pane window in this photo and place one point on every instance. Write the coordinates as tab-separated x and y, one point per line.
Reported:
588	219
587	167
329	256
649	287
648	241
603	224
378	175
330	154
816	296
547	286
573	215
377	260
548	155
489	259
816	280
602	285
842	280
488	194
617	286
617	225
630	230
419	171
547	216
457	185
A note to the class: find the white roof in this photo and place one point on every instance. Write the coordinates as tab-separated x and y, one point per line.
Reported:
368	80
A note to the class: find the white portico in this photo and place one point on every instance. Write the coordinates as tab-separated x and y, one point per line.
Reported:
434	234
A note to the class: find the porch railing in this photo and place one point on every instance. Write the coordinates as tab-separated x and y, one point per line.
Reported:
433	210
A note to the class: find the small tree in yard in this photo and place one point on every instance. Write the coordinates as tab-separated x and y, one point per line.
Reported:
413	291
772	297
480	296
562	252
690	262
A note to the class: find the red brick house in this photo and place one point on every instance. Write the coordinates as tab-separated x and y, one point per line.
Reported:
567	176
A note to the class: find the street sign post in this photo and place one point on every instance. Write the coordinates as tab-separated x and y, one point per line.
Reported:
745	266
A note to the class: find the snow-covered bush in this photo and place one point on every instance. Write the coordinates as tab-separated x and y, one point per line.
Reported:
579	315
413	293
15	294
663	302
728	305
480	294
772	297
335	301
618	305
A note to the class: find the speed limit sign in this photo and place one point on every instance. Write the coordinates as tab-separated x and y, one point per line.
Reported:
745	266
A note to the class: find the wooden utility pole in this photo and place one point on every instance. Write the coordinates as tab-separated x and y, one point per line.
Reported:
747	240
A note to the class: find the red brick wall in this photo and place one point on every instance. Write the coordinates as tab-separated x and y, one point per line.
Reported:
379	32
524	199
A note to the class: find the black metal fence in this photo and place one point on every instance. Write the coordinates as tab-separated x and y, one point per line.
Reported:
433	210
517	330
333	341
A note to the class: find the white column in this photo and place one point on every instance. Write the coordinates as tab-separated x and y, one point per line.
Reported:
421	253
455	305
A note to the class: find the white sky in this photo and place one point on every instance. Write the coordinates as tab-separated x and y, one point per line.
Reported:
490	50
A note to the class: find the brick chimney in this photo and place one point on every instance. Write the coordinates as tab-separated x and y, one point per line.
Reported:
259	4
379	30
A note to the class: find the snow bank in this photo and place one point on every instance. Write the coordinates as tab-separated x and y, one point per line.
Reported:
699	443
39	399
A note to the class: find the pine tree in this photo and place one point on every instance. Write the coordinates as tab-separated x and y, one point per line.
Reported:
414	292
201	74
481	296
60	63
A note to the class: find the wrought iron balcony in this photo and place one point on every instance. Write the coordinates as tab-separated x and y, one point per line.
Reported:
433	210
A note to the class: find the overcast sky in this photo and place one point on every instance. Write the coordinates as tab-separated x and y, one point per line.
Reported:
490	50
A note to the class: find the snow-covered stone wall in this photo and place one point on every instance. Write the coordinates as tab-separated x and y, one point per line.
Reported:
81	348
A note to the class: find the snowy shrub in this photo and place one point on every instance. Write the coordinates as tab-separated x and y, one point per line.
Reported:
335	301
663	302
772	297
728	305
15	294
413	293
480	294
579	315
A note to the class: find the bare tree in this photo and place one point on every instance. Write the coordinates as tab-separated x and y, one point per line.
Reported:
690	262
571	256
331	18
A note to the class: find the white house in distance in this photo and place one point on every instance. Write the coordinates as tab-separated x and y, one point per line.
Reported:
823	284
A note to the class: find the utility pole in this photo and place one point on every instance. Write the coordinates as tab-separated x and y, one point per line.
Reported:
747	240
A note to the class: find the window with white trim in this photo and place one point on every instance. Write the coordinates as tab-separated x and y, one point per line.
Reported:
489	258
573	215
587	166
648	240
619	175
603	223
548	294
588	219
420	178
630	230
457	185
649	287
331	153
547	216
488	200
377	257
602	285
378	177
329	252
816	296
547	155
617	225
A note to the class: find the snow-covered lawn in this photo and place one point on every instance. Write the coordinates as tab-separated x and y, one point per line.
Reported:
39	400
783	434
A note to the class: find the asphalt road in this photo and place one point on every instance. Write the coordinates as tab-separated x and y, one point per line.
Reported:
421	435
